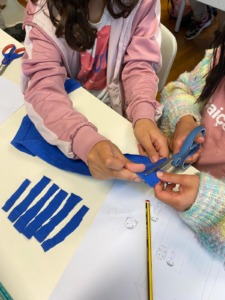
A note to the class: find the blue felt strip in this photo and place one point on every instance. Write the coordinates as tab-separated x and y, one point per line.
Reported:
150	179
11	201
22	222
44	231
45	214
34	192
66	230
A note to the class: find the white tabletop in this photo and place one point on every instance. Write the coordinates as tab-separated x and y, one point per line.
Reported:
29	273
220	4
33	270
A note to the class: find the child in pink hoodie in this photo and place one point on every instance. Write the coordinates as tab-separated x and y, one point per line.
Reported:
113	49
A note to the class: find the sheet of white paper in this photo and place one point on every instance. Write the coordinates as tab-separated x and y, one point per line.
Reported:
11	98
111	260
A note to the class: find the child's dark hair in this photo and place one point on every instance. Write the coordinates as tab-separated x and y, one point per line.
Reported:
73	24
216	74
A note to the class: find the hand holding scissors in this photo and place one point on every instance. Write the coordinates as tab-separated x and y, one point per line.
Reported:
188	149
10	52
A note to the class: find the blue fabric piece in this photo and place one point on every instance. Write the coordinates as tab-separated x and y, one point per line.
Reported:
30	141
71	85
45	214
11	201
47	228
22	222
34	192
150	179
66	230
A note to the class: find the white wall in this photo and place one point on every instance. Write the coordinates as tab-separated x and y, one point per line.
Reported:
13	13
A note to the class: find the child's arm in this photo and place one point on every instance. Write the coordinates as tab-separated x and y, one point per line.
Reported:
141	62
201	200
47	102
140	83
58	122
206	216
179	97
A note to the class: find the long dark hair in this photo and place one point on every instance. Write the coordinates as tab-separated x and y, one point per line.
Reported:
217	72
73	24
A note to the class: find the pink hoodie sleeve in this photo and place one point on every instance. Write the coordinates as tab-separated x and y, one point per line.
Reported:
47	103
141	61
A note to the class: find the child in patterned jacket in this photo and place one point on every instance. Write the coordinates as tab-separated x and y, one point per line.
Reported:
198	98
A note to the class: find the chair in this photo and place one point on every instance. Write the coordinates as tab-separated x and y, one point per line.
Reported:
168	50
180	15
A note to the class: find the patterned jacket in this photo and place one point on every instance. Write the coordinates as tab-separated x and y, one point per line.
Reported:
206	216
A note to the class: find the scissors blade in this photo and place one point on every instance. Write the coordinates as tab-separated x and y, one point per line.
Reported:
160	166
2	69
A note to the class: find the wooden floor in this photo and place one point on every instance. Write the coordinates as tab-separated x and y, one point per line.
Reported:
189	53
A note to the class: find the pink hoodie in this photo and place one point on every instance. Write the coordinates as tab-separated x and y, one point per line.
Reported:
133	60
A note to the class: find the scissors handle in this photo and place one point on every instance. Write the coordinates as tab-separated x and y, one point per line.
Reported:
10	53
188	149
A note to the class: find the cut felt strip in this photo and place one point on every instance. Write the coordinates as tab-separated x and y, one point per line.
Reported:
34	192
47	228
150	179
45	214
66	230
11	201
22	222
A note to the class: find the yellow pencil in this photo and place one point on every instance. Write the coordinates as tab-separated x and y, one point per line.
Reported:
149	250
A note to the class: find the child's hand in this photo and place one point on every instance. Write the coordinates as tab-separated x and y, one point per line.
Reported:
105	161
184	126
183	197
153	143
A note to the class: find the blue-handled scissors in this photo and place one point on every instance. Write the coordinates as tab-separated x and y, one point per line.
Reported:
10	52
188	149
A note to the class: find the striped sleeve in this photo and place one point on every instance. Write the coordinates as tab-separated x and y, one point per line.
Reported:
206	217
179	97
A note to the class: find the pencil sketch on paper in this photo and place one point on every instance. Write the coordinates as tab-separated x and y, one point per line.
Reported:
172	252
156	209
141	285
179	261
162	252
176	248
130	223
171	259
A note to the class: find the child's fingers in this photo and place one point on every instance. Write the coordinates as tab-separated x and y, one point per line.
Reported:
167	195
169	187
200	139
170	177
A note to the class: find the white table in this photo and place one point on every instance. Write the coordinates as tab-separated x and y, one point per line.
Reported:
25	270
29	273
220	4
